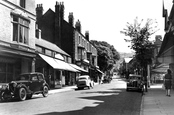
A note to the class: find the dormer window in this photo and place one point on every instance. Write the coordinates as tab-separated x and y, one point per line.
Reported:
22	3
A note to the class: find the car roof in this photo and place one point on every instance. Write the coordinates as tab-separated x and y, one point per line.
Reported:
135	75
83	76
30	73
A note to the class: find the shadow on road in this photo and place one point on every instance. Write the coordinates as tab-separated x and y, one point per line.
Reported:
112	102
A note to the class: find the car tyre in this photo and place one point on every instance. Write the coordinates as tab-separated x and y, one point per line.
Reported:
45	91
3	96
22	94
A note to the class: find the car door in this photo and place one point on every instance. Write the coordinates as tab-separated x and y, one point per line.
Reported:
41	81
34	86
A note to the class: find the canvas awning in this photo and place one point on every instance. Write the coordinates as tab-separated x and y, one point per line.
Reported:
162	68
65	65
78	68
57	64
100	71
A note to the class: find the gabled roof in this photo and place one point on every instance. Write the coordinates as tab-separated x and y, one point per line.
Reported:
50	46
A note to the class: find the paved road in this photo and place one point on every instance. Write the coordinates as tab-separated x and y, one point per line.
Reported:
104	99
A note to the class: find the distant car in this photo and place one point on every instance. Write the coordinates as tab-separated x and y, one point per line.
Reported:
85	81
24	87
135	83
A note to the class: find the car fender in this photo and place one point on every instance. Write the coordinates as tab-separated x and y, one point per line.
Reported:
45	84
22	85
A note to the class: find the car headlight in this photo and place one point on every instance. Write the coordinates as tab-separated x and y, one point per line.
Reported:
4	87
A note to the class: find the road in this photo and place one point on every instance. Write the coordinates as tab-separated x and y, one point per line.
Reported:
104	99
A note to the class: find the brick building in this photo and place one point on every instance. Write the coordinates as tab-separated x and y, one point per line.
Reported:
69	38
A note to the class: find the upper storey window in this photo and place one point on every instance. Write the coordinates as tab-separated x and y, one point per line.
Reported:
22	3
20	29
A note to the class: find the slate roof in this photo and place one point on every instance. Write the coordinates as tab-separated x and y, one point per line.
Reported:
50	46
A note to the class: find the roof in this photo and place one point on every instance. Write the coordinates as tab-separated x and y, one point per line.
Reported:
167	43
51	46
127	60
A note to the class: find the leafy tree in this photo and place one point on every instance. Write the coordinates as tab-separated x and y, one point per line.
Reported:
139	38
107	55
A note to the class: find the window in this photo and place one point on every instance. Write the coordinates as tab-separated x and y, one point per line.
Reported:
34	78
20	29
22	3
40	77
79	39
43	50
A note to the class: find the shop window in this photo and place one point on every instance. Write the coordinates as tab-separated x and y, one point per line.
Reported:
6	72
20	29
22	3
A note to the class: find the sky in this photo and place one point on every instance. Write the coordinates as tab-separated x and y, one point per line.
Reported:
104	19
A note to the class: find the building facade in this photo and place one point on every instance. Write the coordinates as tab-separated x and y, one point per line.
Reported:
67	37
166	53
17	38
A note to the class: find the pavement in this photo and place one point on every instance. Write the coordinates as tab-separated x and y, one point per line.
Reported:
155	101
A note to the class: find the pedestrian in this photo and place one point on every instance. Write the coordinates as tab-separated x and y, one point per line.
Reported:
168	82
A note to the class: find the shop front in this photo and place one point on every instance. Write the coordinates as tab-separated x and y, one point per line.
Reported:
57	72
14	62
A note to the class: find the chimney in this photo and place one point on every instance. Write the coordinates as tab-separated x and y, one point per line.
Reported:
87	35
71	19
39	11
78	26
62	10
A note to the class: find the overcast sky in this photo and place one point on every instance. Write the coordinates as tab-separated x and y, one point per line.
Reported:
104	19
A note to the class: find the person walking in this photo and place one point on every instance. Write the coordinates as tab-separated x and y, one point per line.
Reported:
168	82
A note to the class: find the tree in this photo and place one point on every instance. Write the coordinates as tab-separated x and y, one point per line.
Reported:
107	55
139	38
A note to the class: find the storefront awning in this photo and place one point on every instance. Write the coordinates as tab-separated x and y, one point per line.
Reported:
57	64
162	68
100	71
78	68
66	66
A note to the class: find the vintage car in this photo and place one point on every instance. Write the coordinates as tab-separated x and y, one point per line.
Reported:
135	83
84	81
24	87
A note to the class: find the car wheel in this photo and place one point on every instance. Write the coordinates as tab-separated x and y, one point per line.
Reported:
22	94
3	96
29	96
45	91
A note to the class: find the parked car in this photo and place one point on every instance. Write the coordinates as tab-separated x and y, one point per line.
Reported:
135	83
85	81
24	87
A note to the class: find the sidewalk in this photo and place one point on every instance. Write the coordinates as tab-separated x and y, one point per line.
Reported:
155	102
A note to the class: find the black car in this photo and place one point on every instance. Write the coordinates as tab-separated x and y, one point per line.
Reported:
24	87
135	83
